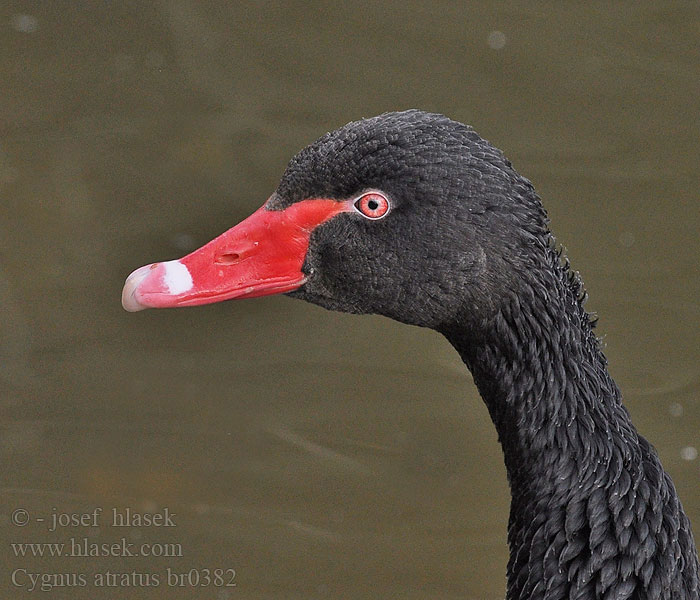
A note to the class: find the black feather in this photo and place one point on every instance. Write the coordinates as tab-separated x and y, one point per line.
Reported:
466	250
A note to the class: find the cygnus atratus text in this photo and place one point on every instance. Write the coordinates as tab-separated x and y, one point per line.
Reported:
414	216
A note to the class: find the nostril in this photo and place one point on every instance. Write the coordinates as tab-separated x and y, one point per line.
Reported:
230	258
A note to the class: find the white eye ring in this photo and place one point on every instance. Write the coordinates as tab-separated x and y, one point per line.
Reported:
372	204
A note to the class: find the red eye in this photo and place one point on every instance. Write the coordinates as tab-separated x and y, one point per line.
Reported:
372	205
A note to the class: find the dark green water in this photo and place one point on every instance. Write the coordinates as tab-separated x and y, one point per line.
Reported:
134	132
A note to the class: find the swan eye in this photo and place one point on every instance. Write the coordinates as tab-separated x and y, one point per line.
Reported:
372	205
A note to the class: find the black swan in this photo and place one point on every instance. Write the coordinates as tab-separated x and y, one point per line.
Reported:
414	216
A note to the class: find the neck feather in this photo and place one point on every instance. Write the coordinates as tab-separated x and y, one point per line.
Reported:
572	455
543	376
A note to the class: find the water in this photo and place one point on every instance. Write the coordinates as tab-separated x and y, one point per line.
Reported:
129	135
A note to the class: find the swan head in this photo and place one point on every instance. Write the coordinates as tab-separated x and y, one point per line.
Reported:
409	214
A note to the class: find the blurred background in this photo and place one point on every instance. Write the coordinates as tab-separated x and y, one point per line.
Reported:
133	132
